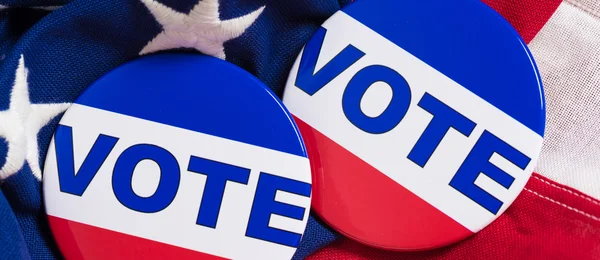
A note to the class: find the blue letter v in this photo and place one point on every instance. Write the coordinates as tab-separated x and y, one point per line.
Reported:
70	182
311	82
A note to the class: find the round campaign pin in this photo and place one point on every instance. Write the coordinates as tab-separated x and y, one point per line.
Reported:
177	156
423	120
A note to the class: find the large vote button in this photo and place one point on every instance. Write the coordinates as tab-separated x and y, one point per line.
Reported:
423	120
177	156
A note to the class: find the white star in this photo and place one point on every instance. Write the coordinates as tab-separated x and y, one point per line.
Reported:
201	29
21	123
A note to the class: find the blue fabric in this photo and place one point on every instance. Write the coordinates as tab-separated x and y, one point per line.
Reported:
33	3
68	48
12	242
316	235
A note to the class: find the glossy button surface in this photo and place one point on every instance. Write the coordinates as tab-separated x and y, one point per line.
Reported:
423	120
177	156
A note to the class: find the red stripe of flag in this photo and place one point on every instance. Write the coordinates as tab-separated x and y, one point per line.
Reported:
527	16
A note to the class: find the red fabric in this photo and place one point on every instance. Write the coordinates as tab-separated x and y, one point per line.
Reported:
547	221
527	16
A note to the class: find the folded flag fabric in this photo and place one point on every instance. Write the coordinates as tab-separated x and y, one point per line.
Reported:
51	50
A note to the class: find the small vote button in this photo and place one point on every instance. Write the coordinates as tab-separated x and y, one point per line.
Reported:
423	120
177	156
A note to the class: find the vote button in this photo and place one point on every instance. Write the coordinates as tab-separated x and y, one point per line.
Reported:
177	156
423	120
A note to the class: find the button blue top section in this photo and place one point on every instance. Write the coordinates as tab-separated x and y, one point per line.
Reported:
198	93
469	43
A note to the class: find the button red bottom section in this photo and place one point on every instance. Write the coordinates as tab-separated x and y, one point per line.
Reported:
364	204
81	241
